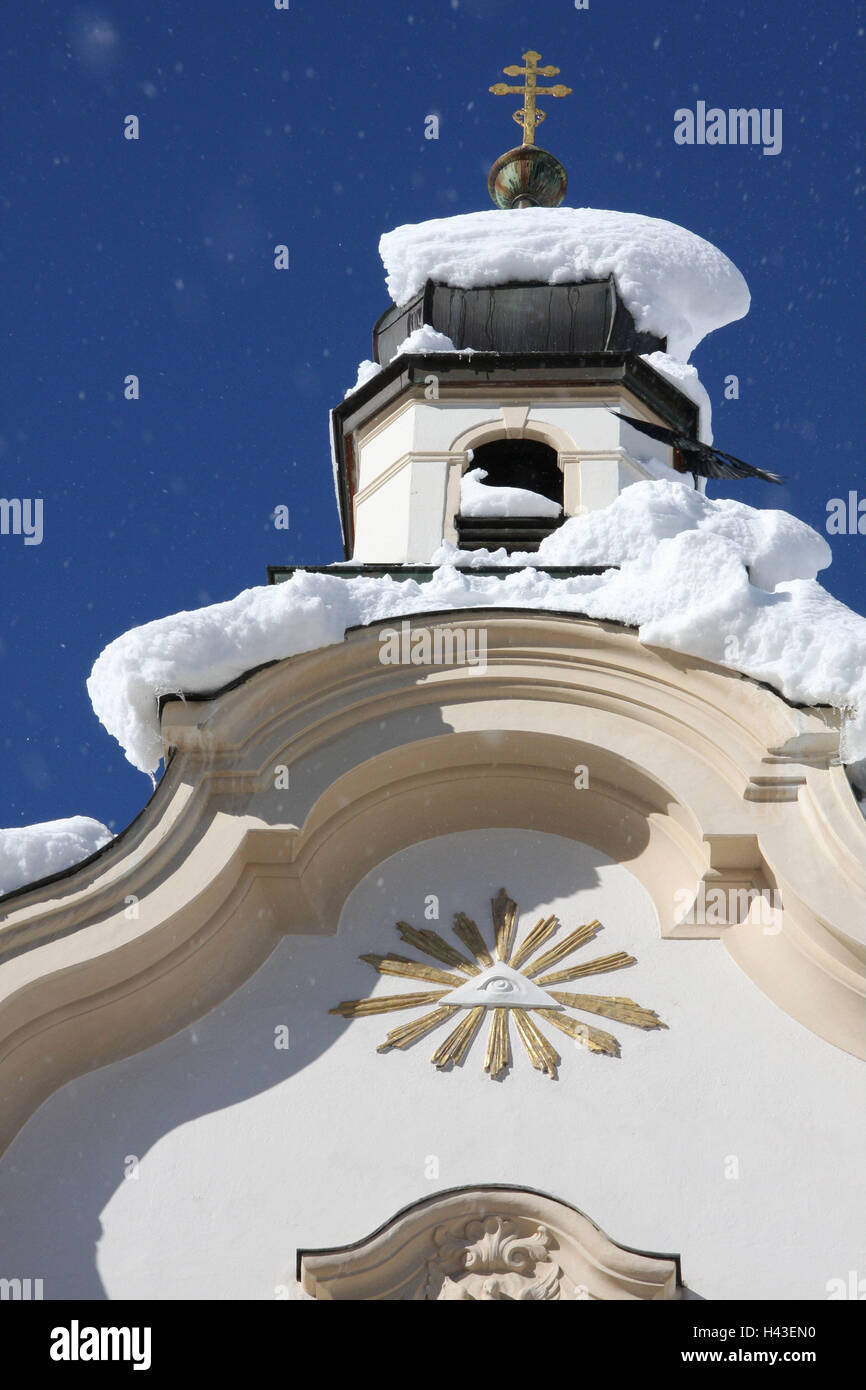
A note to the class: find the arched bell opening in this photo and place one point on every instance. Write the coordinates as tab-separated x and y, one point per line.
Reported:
525	463
522	463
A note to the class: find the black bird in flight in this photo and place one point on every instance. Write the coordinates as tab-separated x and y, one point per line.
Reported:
692	457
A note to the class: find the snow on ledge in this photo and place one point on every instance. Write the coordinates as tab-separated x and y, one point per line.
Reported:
421	340
366	371
683	583
425	339
477	499
31	852
675	284
685	378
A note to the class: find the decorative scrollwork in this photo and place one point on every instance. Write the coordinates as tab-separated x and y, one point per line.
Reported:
490	1260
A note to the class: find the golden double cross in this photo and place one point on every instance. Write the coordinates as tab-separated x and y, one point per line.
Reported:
530	116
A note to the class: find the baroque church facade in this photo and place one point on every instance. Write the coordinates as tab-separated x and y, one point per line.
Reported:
536	976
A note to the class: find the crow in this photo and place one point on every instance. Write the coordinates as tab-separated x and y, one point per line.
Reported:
699	459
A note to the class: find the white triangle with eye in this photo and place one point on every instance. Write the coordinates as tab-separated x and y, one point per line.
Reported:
500	987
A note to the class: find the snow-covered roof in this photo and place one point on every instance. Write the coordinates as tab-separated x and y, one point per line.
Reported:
676	284
31	852
713	578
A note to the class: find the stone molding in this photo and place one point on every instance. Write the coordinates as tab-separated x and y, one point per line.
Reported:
488	1243
180	909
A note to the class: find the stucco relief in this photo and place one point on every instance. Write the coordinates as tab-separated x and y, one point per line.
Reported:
489	1244
490	1261
512	984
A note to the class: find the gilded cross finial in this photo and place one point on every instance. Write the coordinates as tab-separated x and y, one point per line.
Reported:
530	116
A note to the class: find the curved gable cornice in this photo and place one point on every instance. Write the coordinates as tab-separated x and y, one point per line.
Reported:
698	779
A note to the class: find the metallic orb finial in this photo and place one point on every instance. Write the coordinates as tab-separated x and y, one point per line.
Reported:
528	176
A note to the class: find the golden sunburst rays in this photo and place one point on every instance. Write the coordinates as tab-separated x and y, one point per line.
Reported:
507	984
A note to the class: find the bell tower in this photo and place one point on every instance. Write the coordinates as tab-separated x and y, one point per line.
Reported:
485	362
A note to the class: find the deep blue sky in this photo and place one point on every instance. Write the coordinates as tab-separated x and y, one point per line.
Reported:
307	127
